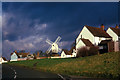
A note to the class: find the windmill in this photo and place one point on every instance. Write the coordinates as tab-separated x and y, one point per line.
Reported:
54	45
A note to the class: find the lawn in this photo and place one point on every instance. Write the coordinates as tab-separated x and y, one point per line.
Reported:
105	65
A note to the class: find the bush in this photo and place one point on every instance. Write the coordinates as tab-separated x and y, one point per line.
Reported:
82	52
87	51
35	56
93	50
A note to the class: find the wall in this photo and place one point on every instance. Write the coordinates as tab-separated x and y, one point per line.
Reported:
74	53
112	34
79	45
111	46
54	48
116	45
86	34
99	39
68	56
20	59
63	55
14	57
2	61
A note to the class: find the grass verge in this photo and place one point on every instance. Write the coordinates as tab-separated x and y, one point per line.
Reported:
105	65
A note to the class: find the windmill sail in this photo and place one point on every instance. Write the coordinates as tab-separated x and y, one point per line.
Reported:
49	42
49	49
58	39
59	50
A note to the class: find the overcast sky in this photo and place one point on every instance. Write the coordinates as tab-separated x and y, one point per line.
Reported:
26	25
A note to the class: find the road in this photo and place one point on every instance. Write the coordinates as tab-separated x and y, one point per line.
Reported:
15	72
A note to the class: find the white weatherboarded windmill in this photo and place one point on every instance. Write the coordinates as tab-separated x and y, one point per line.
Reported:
54	45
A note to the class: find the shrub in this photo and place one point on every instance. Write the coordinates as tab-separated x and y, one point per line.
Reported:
87	51
35	56
93	50
82	52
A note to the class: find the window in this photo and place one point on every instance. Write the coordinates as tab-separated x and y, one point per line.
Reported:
119	39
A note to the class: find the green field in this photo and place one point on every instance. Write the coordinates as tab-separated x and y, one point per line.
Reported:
105	65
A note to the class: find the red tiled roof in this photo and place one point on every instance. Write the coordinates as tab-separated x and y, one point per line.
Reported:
87	42
13	52
98	32
71	50
67	52
4	59
23	54
116	30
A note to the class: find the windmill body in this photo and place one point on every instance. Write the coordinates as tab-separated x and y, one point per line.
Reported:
54	48
54	45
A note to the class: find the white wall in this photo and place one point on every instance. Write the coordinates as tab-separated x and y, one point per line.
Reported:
86	34
112	34
99	39
79	45
74	54
63	55
68	56
14	57
2	61
54	48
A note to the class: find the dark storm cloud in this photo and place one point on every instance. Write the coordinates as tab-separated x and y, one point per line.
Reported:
0	29
22	21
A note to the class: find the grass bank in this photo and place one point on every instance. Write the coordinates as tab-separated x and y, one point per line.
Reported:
105	65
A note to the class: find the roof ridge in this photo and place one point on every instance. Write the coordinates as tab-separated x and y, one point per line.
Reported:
98	32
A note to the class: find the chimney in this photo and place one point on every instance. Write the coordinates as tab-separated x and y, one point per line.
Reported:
116	26
37	54
102	26
15	51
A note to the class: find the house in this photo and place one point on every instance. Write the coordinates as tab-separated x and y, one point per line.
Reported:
94	34
73	51
3	60
30	56
65	54
91	36
105	46
114	32
84	42
15	56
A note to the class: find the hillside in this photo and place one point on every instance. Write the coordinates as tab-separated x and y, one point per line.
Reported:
105	65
